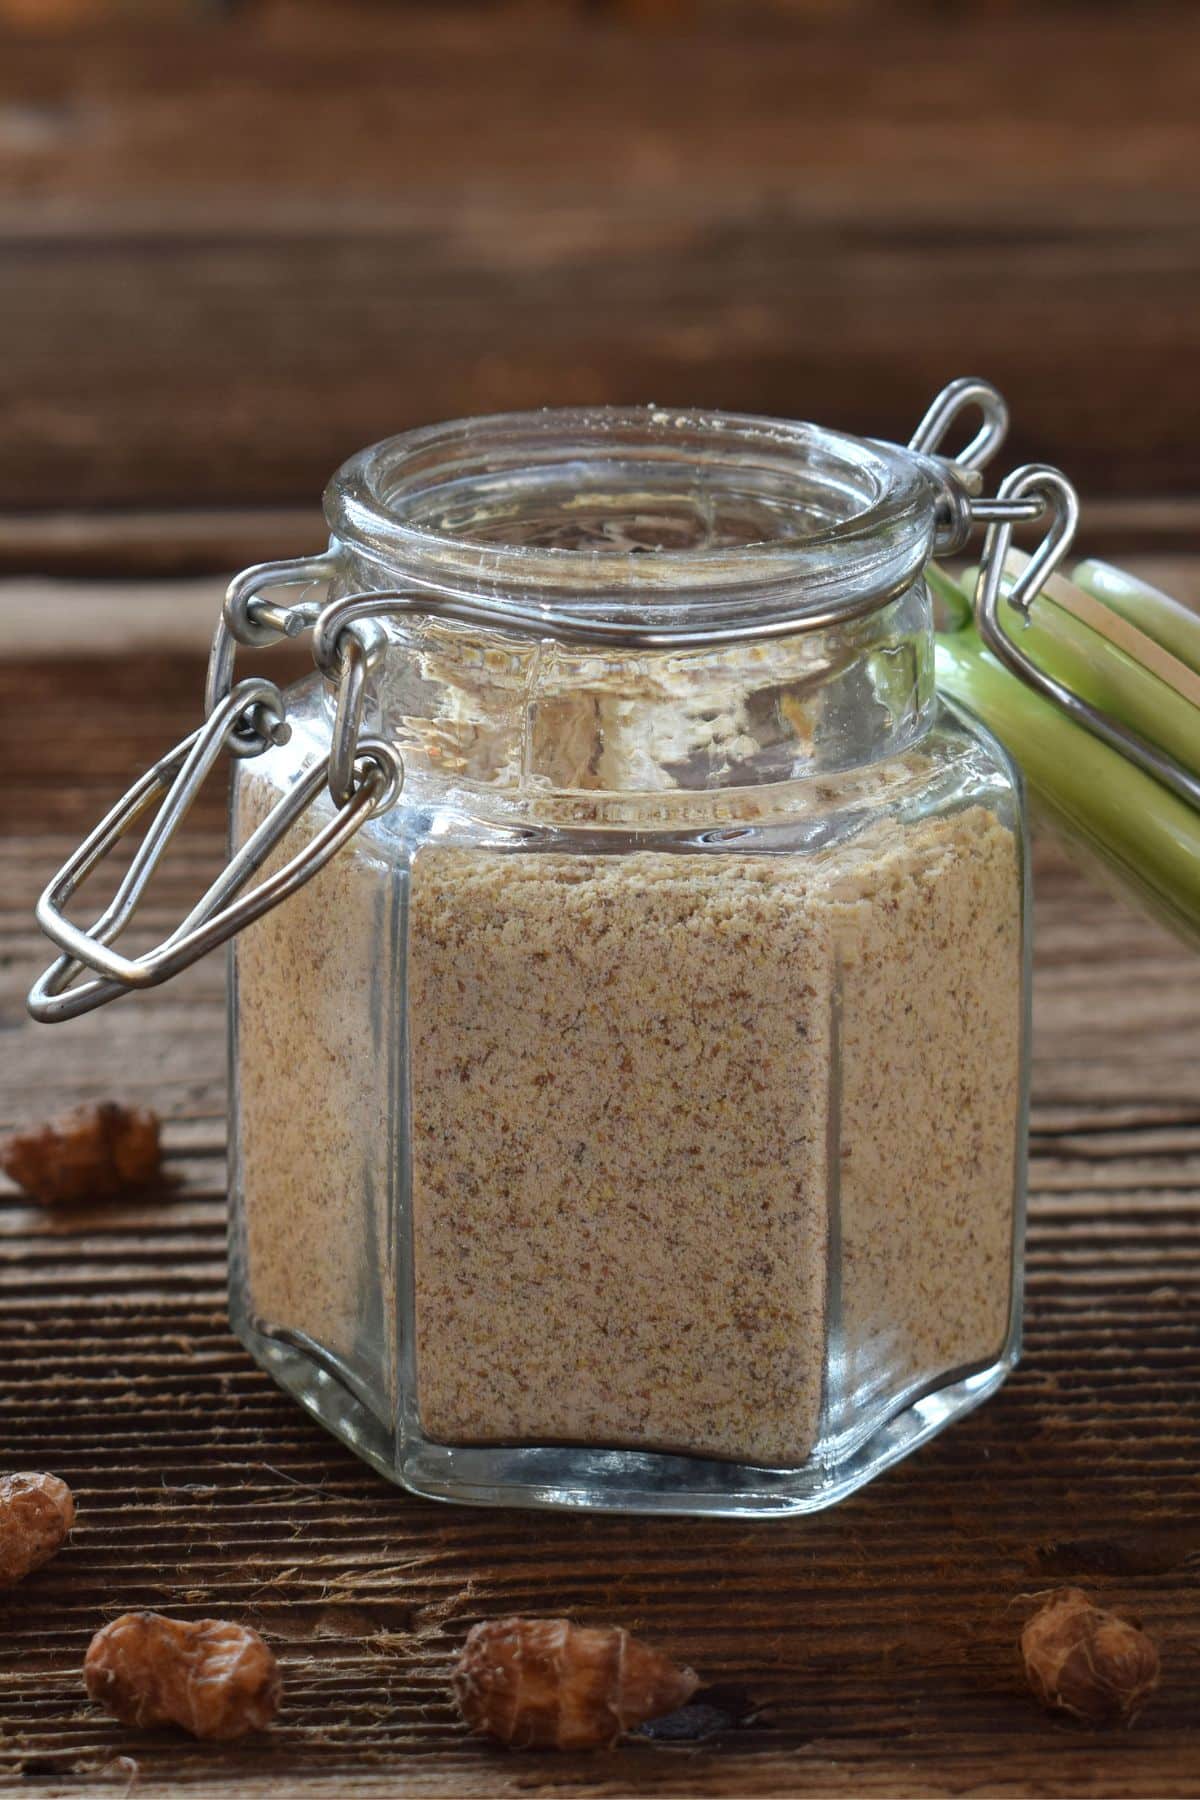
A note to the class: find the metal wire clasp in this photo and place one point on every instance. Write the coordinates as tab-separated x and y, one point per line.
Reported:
1025	495
249	617
365	776
1002	583
962	503
372	778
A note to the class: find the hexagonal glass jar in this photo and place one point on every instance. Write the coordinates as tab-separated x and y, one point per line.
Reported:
633	1116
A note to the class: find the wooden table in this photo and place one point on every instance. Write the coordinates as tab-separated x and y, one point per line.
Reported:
238	243
869	1650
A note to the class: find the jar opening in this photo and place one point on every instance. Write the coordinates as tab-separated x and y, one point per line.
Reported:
645	514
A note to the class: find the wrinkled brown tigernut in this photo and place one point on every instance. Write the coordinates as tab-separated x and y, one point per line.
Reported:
36	1513
89	1154
214	1678
550	1684
1088	1662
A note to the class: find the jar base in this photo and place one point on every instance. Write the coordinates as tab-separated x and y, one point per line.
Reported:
590	1479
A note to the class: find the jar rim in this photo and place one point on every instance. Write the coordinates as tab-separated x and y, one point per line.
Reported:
853	518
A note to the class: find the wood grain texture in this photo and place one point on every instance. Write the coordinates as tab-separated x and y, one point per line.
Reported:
150	546
870	1650
83	620
237	248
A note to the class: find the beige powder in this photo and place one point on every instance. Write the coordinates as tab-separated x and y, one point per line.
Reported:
620	1099
929	942
630	1127
314	1081
625	1190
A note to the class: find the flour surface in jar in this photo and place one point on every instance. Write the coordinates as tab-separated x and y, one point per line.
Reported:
681	1173
314	998
620	1134
927	919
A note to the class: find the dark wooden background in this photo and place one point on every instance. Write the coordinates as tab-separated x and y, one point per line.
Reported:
237	242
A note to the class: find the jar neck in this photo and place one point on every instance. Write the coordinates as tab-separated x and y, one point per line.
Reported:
651	522
533	721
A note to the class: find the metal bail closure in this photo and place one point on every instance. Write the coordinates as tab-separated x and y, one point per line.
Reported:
249	617
219	913
998	583
961	504
968	394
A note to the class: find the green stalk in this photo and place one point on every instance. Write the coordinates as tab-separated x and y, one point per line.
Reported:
1173	626
1139	828
1106	676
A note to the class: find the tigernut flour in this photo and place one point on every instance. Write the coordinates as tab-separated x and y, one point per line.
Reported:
628	1136
620	1119
313	1098
655	1099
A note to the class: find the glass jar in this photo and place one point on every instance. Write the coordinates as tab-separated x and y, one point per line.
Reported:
631	1113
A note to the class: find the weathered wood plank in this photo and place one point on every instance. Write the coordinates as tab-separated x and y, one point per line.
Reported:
48	620
235	253
876	1642
152	547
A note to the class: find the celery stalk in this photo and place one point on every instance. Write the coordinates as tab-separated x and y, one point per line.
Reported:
1174	626
1066	646
1140	829
1102	673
